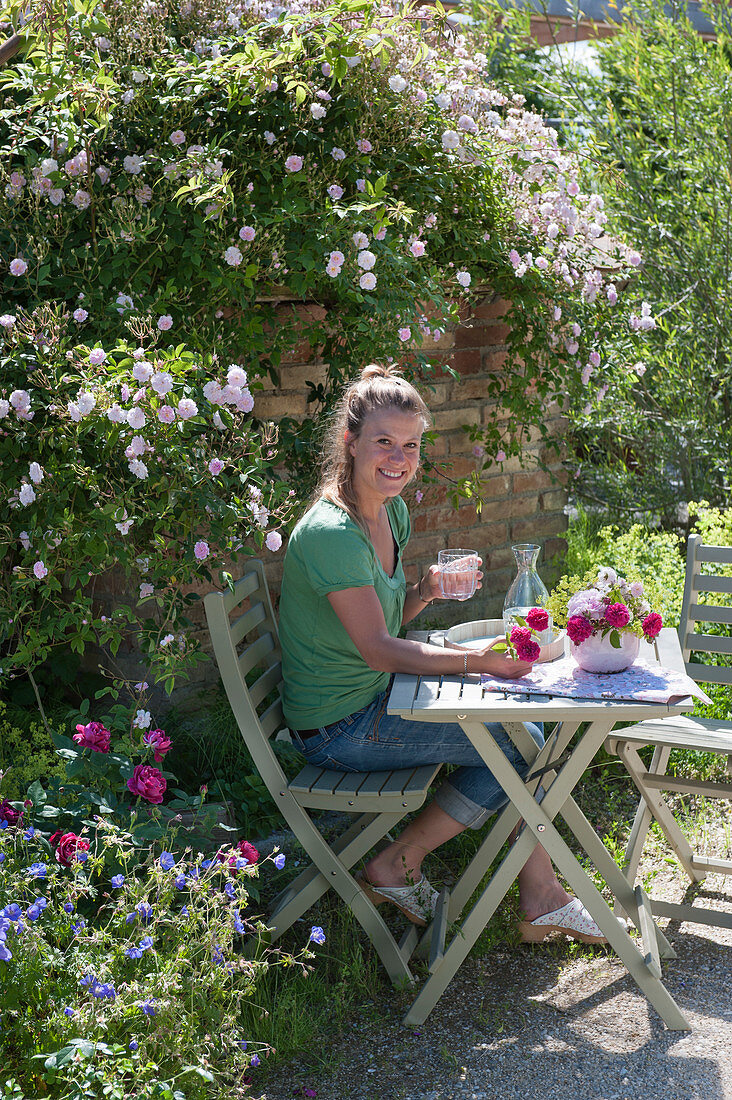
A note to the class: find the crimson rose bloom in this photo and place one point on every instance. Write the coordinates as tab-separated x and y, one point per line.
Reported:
537	618
246	851
527	648
617	615
93	736
7	813
579	629
67	845
158	740
147	782
652	625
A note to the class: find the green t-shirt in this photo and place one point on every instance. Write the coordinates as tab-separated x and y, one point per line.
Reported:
325	677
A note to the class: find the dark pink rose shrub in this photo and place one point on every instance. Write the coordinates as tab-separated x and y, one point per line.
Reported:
93	736
69	847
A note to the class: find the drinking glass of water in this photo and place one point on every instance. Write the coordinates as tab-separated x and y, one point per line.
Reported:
458	573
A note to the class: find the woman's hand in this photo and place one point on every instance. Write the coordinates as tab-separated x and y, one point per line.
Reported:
430	588
492	663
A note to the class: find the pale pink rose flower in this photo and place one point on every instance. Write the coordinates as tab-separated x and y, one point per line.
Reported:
417	248
247	233
80	315
146	590
233	256
18	266
364	145
333	270
177	138
245	403
201	550
40	570
405	334
97	356
464	278
500	456
27	494
237	376
337	257
361	185
215	467
136	418
360	239
162	383
165	322
293	163
366	260
187	408
36	473
273	541
335	192
367	281
166	414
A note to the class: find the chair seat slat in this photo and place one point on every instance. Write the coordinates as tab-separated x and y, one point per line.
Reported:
246	622
702	734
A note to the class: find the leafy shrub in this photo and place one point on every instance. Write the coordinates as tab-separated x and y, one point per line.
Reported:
124	974
187	164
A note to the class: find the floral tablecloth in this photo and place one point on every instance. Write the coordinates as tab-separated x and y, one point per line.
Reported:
645	681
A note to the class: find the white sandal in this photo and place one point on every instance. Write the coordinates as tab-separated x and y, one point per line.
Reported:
572	919
417	901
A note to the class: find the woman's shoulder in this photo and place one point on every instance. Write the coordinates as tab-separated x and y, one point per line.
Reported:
323	520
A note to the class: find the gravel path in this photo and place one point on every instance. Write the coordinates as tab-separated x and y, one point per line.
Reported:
545	1022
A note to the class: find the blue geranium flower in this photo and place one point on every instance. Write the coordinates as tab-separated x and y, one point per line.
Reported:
12	911
68	907
230	890
179	882
205	864
146	1006
184	910
117	881
317	935
81	857
79	926
2	857
146	943
29	833
167	861
254	1060
134	952
134	1044
279	861
5	954
238	925
38	870
68	1011
33	912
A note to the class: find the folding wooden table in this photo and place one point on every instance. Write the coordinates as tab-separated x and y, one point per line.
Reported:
580	728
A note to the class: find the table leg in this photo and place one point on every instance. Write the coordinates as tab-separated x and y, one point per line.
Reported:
539	819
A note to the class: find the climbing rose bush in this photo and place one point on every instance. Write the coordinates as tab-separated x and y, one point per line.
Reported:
193	163
120	458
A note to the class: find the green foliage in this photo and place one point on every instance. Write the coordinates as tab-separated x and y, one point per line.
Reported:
655	125
124	966
27	753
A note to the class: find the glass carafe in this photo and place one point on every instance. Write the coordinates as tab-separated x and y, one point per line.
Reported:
527	590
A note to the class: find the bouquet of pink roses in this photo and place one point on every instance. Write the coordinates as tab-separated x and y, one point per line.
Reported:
521	640
609	606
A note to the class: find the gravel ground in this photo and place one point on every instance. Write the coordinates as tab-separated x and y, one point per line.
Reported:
547	1021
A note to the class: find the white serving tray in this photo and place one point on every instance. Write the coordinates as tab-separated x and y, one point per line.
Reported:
481	631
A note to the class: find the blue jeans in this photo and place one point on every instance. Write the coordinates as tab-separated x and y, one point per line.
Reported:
371	739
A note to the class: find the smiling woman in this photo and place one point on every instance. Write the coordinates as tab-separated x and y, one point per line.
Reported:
344	601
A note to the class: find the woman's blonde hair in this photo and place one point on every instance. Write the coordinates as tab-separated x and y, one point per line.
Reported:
377	388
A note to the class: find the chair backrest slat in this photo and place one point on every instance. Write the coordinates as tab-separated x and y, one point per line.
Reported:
269	680
249	583
708	643
264	649
709	674
720	555
709	613
255	651
703	583
273	719
256	614
700	557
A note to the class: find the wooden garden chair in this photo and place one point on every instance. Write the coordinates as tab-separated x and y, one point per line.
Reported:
248	655
701	734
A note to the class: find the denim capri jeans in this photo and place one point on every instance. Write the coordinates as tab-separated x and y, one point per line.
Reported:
370	738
